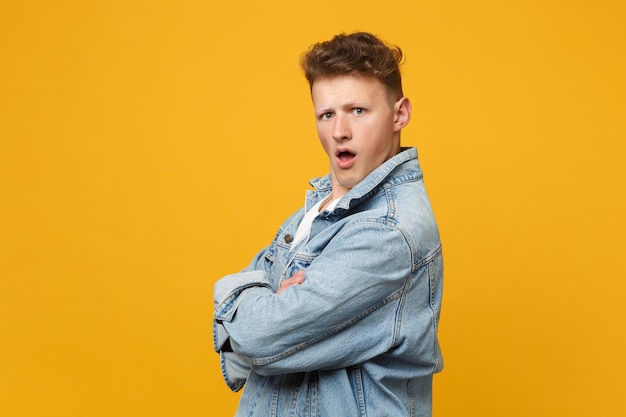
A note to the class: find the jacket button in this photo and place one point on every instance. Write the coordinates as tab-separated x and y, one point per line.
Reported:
288	238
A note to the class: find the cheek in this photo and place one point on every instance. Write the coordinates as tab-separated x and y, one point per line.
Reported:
324	139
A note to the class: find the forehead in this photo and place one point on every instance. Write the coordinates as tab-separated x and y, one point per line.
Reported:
347	89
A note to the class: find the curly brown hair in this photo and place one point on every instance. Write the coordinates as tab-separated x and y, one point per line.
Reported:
358	53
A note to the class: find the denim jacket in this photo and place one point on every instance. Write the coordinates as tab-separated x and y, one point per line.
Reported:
359	336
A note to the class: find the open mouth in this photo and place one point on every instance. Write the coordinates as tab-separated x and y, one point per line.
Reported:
345	155
345	159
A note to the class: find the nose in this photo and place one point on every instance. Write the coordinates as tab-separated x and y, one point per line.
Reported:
341	128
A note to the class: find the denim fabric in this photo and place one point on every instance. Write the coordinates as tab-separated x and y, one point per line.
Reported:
359	336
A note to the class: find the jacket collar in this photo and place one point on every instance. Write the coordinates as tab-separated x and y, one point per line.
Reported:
370	184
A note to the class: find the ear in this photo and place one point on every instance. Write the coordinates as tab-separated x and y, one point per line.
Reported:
402	114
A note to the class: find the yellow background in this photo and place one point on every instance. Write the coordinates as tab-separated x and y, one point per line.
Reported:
148	148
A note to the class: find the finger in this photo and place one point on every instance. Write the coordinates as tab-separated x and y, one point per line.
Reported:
297	279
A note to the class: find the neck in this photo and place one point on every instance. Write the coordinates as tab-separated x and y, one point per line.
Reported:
326	201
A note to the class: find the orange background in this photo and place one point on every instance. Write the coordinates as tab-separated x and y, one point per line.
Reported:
148	148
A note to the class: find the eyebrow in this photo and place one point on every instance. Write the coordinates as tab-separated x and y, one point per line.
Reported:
343	106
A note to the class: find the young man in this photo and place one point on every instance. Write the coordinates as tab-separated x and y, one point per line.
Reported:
339	315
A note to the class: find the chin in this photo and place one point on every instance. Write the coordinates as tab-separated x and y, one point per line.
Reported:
349	182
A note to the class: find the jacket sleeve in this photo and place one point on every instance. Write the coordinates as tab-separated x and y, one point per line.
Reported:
235	368
346	312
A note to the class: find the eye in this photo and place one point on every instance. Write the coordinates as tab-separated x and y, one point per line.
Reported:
359	111
326	116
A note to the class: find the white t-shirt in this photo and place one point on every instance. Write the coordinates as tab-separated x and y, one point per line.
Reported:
304	228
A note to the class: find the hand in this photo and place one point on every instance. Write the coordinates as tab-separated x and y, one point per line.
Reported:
296	279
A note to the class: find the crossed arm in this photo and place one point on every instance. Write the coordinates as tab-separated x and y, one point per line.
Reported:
344	313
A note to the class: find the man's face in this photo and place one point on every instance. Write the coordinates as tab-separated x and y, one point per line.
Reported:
358	126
